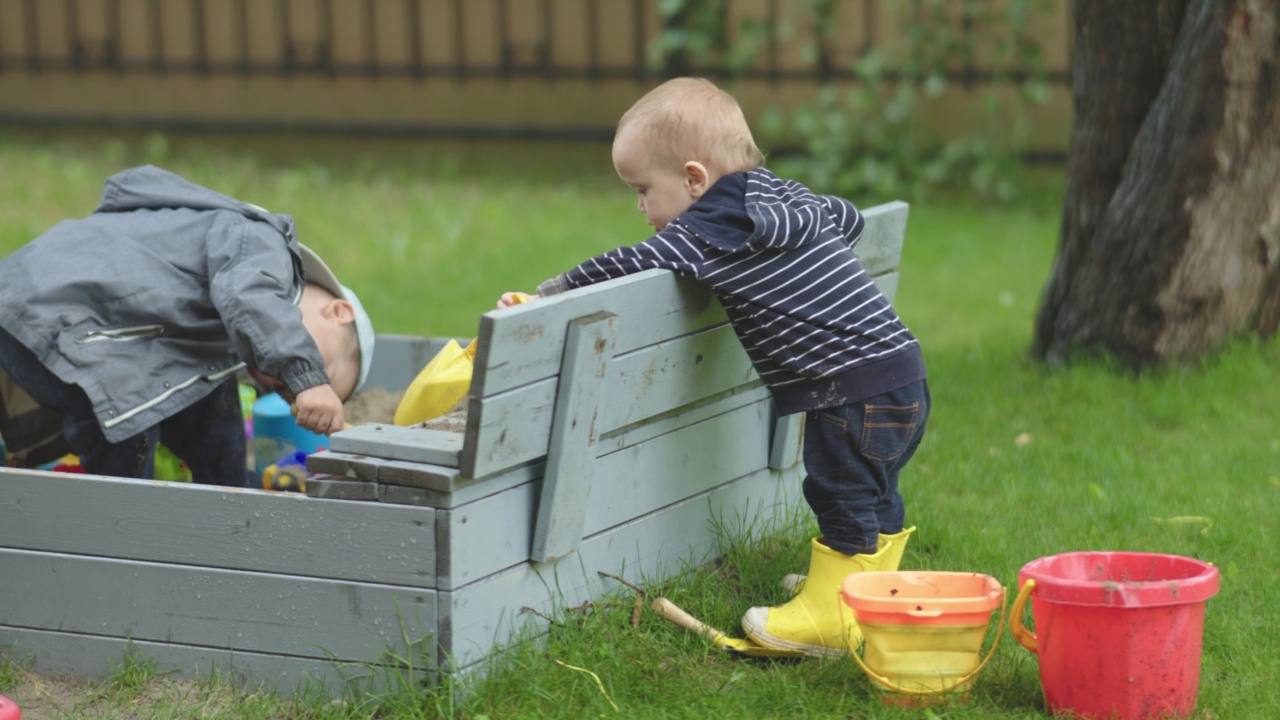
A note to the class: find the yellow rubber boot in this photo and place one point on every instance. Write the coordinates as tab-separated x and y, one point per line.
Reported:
897	544
815	621
892	559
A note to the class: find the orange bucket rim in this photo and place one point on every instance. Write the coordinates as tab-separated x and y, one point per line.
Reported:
892	591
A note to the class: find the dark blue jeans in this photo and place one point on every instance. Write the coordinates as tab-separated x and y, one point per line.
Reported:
853	454
208	435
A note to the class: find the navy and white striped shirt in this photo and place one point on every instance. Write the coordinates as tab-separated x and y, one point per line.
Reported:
778	257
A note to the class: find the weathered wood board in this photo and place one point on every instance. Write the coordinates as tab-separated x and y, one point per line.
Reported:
605	429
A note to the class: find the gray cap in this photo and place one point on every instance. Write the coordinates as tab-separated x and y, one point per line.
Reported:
320	274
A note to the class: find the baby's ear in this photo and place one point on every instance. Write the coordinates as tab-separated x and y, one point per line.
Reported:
696	179
340	311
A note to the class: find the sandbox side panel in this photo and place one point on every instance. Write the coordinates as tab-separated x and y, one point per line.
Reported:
207	526
204	607
97	657
496	532
477	617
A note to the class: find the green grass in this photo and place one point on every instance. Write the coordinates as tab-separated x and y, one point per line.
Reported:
1019	462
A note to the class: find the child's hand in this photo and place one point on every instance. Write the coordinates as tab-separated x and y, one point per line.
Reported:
319	410
514	298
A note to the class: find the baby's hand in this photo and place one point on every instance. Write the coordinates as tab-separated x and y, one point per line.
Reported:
514	298
319	410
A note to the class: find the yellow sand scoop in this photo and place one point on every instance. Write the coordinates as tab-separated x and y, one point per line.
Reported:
740	646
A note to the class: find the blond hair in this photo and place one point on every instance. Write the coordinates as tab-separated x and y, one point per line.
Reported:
691	119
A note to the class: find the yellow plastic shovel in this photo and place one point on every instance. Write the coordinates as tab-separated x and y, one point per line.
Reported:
442	383
740	646
439	386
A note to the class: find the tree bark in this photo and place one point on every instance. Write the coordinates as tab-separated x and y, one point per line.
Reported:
1170	240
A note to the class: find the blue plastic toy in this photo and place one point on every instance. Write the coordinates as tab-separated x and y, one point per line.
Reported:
289	473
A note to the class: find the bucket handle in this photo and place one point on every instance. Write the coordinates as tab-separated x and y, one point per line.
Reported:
1024	636
960	681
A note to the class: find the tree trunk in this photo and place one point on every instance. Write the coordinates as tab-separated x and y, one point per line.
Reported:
1171	224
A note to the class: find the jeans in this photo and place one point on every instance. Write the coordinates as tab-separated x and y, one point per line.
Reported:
207	435
852	457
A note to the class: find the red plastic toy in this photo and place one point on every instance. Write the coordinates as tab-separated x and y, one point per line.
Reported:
9	709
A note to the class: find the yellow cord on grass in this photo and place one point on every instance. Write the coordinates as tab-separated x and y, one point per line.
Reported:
1185	520
598	683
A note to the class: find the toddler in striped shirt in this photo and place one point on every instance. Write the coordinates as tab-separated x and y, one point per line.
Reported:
817	330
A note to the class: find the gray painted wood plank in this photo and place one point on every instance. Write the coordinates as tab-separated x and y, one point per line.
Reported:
880	248
651	382
524	343
462	490
214	608
785	447
420	475
49	652
393	442
642	478
401	495
674	374
332	487
490	534
359	467
888	285
286	533
571	454
629	435
496	532
508	429
653	547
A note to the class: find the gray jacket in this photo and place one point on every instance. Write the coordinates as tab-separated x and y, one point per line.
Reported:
157	297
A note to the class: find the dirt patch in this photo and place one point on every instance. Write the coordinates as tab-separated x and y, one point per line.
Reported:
49	698
42	697
453	421
374	405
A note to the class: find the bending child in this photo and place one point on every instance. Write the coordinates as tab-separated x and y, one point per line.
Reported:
128	327
816	328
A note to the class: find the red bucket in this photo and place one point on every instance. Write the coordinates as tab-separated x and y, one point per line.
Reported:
9	710
1118	634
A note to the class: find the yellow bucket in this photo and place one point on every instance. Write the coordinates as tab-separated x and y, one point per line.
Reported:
923	631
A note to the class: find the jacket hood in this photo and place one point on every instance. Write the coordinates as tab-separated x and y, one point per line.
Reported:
756	210
719	218
151	188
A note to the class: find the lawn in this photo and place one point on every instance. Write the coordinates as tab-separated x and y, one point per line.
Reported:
1020	461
